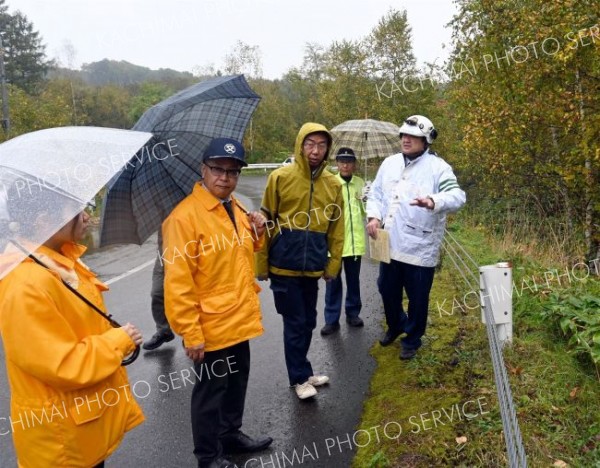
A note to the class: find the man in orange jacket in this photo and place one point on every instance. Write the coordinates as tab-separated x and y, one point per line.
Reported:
211	300
71	403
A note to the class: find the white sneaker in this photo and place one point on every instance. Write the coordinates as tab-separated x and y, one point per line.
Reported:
305	390
318	380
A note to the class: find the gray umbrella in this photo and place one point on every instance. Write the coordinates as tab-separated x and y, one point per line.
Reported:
165	171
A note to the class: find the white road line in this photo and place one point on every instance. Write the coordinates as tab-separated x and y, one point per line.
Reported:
130	272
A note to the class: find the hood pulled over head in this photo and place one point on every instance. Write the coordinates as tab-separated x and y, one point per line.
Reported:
305	130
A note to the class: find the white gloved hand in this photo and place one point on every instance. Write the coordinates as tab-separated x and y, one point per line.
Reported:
365	191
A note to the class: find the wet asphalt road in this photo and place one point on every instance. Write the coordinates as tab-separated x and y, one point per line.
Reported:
312	433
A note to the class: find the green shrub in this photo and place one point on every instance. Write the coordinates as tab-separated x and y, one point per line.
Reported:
577	313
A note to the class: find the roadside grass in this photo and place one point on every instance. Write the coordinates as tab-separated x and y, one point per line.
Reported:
556	391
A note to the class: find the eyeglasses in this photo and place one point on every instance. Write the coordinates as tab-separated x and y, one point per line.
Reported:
310	145
90	208
220	172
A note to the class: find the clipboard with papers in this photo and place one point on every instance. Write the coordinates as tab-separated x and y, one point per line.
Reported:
379	248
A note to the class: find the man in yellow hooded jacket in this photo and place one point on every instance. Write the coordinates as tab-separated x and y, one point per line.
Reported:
303	203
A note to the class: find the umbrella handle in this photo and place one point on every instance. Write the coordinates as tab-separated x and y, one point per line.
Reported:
136	352
132	357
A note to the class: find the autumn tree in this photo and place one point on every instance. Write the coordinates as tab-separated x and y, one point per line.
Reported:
51	108
313	63
147	95
244	59
526	93
390	47
300	85
392	65
111	106
24	53
272	131
345	90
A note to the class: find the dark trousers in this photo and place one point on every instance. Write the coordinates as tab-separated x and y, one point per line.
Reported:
100	465
296	301
394	279
157	293
334	292
218	398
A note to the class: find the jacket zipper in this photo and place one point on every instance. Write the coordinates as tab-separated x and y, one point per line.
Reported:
351	224
308	227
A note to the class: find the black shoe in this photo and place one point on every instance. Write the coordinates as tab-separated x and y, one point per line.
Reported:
355	322
406	354
243	443
218	463
158	339
330	328
389	338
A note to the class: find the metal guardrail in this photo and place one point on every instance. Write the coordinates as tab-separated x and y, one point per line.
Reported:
510	423
517	457
264	166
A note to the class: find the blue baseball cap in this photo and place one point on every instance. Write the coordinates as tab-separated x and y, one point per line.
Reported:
225	148
345	154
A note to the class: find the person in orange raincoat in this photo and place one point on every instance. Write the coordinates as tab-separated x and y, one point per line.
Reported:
70	398
211	299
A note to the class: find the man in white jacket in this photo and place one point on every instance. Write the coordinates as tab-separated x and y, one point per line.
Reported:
409	198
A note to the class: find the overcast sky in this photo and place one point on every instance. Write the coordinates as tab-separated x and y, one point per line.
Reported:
184	34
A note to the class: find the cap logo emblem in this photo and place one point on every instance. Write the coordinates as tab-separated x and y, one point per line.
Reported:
229	148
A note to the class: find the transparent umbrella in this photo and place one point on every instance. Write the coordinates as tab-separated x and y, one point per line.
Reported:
49	176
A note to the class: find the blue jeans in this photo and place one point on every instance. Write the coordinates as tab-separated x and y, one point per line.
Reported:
296	302
395	278
334	292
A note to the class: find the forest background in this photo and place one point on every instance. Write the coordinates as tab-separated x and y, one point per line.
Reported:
517	107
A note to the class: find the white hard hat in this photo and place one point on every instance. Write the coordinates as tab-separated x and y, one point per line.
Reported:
419	126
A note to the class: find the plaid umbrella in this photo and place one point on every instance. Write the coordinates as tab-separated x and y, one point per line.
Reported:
166	169
368	138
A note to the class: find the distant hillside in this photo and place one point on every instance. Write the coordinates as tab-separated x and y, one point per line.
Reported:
121	73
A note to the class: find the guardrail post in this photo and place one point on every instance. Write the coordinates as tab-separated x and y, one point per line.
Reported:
495	283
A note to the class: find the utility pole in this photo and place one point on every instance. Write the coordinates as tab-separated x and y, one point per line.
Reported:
5	118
